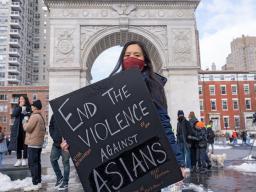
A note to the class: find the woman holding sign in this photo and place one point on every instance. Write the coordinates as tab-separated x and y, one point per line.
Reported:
134	55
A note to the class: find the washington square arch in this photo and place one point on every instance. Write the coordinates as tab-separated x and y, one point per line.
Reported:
80	30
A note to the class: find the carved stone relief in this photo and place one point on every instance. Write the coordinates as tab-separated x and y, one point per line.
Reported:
160	32
64	44
182	45
123	9
87	32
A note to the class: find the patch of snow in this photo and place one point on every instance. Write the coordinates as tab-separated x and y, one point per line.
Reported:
245	167
8	185
222	147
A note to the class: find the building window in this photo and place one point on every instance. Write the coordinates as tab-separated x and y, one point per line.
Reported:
34	97
237	122
3	97
213	105
200	90
224	103
248	104
233	77
3	119
235	104
226	122
223	89
246	89
201	105
3	108
212	89
234	89
222	77
245	77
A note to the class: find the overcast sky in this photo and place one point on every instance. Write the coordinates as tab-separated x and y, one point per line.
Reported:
218	22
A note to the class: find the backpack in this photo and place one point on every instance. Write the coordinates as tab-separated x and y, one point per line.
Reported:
210	134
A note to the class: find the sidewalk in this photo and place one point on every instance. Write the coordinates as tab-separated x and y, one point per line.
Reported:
48	176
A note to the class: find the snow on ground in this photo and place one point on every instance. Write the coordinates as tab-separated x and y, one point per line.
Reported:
222	147
245	167
249	157
188	187
8	185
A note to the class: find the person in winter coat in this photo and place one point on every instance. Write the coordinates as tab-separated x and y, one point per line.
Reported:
3	146
183	131
134	55
210	136
35	132
22	110
234	137
201	135
56	152
193	120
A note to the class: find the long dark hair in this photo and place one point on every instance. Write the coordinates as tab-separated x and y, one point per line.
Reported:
154	85
27	103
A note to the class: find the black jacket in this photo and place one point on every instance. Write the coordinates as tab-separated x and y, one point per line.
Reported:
54	132
17	128
183	131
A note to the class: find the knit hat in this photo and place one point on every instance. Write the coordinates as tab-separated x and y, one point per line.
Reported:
200	124
37	104
180	113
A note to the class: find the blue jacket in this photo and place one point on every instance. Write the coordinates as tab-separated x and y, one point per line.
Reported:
165	120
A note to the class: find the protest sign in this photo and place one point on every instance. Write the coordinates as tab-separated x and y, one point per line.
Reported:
117	142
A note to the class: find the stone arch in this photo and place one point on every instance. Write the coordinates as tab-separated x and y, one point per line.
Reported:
107	38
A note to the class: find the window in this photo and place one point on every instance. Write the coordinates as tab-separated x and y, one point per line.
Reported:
3	108
223	89
3	97
248	104
200	89
235	104
233	77
245	77
246	89
237	122
212	89
226	121
3	119
201	105
224	103
213	105
222	77
211	77
234	89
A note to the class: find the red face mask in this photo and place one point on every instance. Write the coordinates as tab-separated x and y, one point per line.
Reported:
131	62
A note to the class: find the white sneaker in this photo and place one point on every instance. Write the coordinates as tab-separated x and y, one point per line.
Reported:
33	187
18	163
24	162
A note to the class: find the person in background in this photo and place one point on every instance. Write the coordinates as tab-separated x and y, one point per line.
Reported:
234	137
183	131
244	136
8	139
35	132
3	146
56	152
134	55
210	136
21	111
201	155
193	120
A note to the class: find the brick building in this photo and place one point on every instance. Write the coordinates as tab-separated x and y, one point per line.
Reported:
228	98
9	98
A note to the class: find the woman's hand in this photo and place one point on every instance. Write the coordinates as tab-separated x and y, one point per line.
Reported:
64	146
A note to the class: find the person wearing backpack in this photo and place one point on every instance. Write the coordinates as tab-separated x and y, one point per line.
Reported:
210	136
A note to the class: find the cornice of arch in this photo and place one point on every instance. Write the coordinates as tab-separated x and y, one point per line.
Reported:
187	4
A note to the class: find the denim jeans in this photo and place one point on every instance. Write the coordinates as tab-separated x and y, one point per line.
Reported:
186	156
201	157
1	158
34	163
56	152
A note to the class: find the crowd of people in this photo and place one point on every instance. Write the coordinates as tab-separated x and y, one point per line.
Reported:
193	142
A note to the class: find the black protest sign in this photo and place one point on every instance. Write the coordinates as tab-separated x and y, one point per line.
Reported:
117	142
